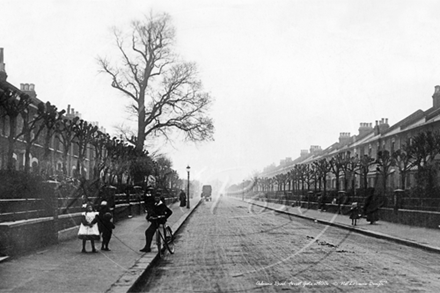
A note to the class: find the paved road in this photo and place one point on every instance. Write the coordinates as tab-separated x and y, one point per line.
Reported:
226	246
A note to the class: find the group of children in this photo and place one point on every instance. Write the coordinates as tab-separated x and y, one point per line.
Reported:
94	224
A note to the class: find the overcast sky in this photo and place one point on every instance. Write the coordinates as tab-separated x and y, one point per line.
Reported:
285	75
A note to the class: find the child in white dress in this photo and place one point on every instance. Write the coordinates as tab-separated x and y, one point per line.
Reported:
88	229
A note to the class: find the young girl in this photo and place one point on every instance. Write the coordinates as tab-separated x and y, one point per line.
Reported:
88	229
354	213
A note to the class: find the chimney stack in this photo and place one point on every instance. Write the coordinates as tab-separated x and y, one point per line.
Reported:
314	149
436	97
29	89
3	75
381	126
344	137
365	128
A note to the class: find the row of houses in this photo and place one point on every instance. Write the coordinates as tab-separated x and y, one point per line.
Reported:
369	141
36	152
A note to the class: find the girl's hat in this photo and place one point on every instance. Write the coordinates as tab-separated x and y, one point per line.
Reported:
103	203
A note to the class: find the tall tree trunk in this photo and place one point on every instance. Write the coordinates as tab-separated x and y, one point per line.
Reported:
27	158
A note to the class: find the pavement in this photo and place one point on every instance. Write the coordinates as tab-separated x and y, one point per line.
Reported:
63	268
423	238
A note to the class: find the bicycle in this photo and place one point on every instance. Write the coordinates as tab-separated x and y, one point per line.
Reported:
164	235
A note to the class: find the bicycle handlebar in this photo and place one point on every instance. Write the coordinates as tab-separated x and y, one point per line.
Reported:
157	217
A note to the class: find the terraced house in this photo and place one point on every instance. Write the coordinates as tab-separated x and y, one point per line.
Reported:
37	137
404	156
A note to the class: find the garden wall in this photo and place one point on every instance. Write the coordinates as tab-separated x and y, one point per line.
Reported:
19	237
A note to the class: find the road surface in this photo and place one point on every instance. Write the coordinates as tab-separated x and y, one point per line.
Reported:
230	246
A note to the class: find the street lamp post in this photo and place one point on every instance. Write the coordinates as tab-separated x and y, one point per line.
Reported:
242	195
187	201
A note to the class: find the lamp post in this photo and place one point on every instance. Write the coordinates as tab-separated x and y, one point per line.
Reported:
187	201
242	195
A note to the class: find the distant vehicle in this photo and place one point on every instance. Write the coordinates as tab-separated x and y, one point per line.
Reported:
206	192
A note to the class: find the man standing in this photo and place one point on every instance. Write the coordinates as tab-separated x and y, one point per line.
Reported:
159	209
182	198
148	199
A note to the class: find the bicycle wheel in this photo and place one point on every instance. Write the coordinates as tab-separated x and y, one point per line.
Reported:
169	240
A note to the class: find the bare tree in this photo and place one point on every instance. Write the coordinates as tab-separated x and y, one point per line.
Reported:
336	167
424	147
404	161
165	93
31	130
83	132
384	163
65	134
50	117
13	105
99	141
323	167
364	167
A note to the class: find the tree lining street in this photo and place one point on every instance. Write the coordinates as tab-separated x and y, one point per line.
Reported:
227	246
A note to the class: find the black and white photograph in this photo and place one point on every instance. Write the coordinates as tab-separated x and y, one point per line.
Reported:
219	146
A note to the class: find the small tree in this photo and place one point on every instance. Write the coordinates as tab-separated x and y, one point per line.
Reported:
364	166
13	104
336	165
404	161
83	133
384	163
50	116
323	167
424	147
31	130
99	141
353	169
64	130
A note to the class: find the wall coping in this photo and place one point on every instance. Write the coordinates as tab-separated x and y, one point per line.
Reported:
26	222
